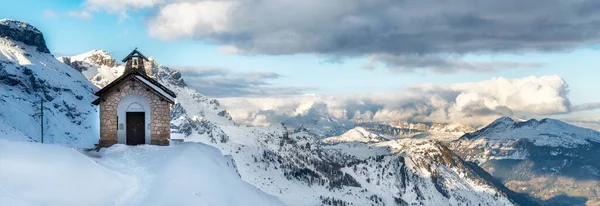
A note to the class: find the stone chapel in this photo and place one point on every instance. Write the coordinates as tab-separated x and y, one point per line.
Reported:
135	109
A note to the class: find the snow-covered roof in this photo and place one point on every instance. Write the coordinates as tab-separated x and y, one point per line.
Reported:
156	88
153	84
135	53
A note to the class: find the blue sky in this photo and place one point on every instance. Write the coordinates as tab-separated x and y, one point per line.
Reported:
312	71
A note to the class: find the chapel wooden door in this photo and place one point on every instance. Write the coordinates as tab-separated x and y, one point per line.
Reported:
136	132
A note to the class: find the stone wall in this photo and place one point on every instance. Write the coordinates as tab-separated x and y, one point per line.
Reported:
160	128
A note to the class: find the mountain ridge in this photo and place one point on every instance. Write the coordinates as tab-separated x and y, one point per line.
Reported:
548	159
542	132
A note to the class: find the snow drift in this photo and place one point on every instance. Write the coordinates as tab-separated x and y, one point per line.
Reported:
186	174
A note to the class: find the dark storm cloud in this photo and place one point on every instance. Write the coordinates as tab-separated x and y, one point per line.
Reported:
390	28
439	64
218	82
587	106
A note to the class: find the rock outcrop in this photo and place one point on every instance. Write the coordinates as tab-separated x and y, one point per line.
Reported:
23	32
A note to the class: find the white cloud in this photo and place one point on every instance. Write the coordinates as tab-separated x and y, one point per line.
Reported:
218	82
534	95
119	6
49	14
188	19
472	103
591	122
230	49
85	15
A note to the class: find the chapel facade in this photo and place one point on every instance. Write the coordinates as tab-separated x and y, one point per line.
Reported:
135	108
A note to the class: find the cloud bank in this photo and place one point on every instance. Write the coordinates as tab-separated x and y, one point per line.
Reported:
349	27
440	64
473	103
218	82
587	122
404	36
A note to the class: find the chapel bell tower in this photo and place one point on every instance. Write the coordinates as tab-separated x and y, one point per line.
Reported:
137	61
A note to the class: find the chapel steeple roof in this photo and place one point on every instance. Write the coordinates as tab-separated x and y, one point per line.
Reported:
134	53
135	61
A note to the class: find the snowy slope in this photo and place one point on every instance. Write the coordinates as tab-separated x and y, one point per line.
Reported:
419	171
186	174
49	174
28	75
300	171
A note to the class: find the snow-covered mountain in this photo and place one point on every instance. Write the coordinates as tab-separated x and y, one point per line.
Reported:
358	134
549	159
545	132
291	165
97	66
30	74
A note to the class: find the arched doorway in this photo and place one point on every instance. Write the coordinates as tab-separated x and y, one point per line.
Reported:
134	117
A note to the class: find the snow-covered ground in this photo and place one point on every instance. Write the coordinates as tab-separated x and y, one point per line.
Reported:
184	174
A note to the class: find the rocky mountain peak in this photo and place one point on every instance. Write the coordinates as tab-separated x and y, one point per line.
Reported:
23	32
504	120
97	58
504	123
358	134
